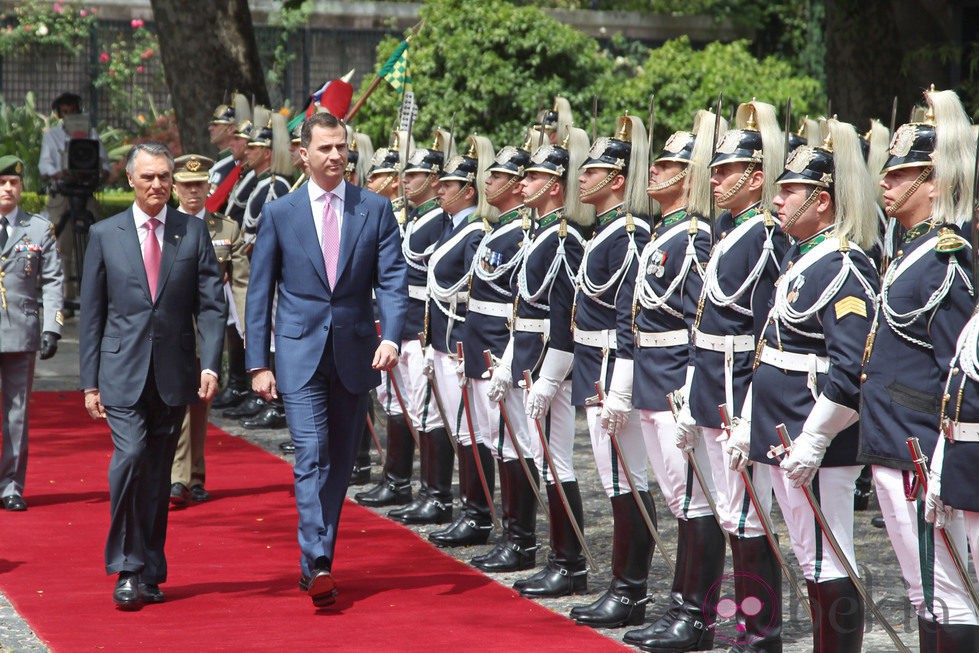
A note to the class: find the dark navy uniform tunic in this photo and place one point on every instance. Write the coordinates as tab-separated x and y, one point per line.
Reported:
426	225
611	260
267	188
961	459
221	169
449	265
545	297
833	327
670	274
759	243
494	274
909	355
238	199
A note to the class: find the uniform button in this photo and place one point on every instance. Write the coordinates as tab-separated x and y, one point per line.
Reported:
723	234
790	263
899	253
947	397
955	371
863	377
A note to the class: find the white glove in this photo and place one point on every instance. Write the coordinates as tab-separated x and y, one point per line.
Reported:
688	434
688	381
553	371
936	512
502	378
738	444
618	401
825	421
428	367
460	370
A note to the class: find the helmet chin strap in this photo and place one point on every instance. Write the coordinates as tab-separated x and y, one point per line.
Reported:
587	192
451	200
507	186
550	182
421	189
654	188
912	189
802	209
750	168
387	182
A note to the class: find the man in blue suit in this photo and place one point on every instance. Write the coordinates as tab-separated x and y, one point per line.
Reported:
149	272
324	248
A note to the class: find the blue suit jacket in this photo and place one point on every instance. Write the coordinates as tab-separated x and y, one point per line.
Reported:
287	257
121	328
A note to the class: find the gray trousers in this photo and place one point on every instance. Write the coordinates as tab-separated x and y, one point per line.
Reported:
16	379
144	439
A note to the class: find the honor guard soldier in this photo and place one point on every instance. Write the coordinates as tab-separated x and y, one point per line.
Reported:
556	121
237	203
487	328
926	298
613	179
808	368
668	286
221	130
190	176
543	346
31	280
449	273
738	284
359	157
426	225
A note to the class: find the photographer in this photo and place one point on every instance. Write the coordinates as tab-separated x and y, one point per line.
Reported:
66	183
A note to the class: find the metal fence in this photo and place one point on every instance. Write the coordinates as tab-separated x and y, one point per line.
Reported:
318	54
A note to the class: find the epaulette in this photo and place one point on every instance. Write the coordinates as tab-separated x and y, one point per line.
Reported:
769	220
844	245
949	241
526	217
692	227
630	222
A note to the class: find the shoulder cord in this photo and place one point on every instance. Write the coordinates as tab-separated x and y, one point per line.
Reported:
439	293
595	290
559	261
645	293
712	288
504	269
416	260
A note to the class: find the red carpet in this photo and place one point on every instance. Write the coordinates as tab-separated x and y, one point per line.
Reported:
234	565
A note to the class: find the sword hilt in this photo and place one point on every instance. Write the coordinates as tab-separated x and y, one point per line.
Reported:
920	461
726	423
598	398
488	357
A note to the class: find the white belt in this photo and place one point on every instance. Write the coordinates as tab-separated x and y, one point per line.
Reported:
532	325
496	309
418	292
964	432
663	338
604	339
811	364
720	343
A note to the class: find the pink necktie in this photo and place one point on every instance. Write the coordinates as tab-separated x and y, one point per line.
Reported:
151	255
331	239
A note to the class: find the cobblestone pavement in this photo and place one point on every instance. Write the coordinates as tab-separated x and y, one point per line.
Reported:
877	562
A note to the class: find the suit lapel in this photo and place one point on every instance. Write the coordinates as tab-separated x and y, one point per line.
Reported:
354	217
302	223
130	249
174	233
17	231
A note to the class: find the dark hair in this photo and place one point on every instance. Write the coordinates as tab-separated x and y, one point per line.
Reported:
151	148
322	119
71	99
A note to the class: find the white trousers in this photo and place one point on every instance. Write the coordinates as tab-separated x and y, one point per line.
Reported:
500	440
832	487
737	513
414	386
683	492
448	384
559	430
609	466
971	520
934	587
485	415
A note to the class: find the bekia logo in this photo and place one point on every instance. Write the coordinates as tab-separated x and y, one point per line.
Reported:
759	605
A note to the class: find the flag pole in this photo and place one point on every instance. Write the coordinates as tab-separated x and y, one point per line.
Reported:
377	79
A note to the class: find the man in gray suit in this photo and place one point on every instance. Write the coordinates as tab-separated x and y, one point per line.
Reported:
29	266
149	272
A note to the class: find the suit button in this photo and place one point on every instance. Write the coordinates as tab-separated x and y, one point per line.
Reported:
863	377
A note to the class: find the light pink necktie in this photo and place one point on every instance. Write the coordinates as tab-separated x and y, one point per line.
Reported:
331	239
151	255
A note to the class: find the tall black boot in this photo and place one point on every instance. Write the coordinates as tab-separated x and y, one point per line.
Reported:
700	564
238	382
435	506
518	550
863	489
624	604
757	574
958	637
838	617
395	487
927	636
474	524
361	472
566	571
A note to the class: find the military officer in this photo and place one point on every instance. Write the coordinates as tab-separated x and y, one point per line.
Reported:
926	298
808	367
487	327
670	279
449	271
190	176
31	281
221	131
613	179
738	283
542	345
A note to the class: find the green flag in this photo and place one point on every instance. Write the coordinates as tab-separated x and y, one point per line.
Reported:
395	69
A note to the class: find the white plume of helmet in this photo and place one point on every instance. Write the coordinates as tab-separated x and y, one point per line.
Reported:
762	117
954	157
698	172
854	194
576	143
281	159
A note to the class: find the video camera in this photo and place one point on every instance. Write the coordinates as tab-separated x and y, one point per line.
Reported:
83	169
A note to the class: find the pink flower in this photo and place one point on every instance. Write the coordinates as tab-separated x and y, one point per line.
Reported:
136	23
83	13
27	28
104	57
139	69
147	54
58	8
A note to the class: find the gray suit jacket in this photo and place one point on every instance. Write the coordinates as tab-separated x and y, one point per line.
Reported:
31	277
121	329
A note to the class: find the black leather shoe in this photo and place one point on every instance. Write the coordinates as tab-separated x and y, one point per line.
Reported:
126	593
228	398
464	531
287	446
14	503
616	608
552	581
429	511
179	495
360	475
507	556
320	584
199	494
878	521
151	593
272	417
250	407
385	493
